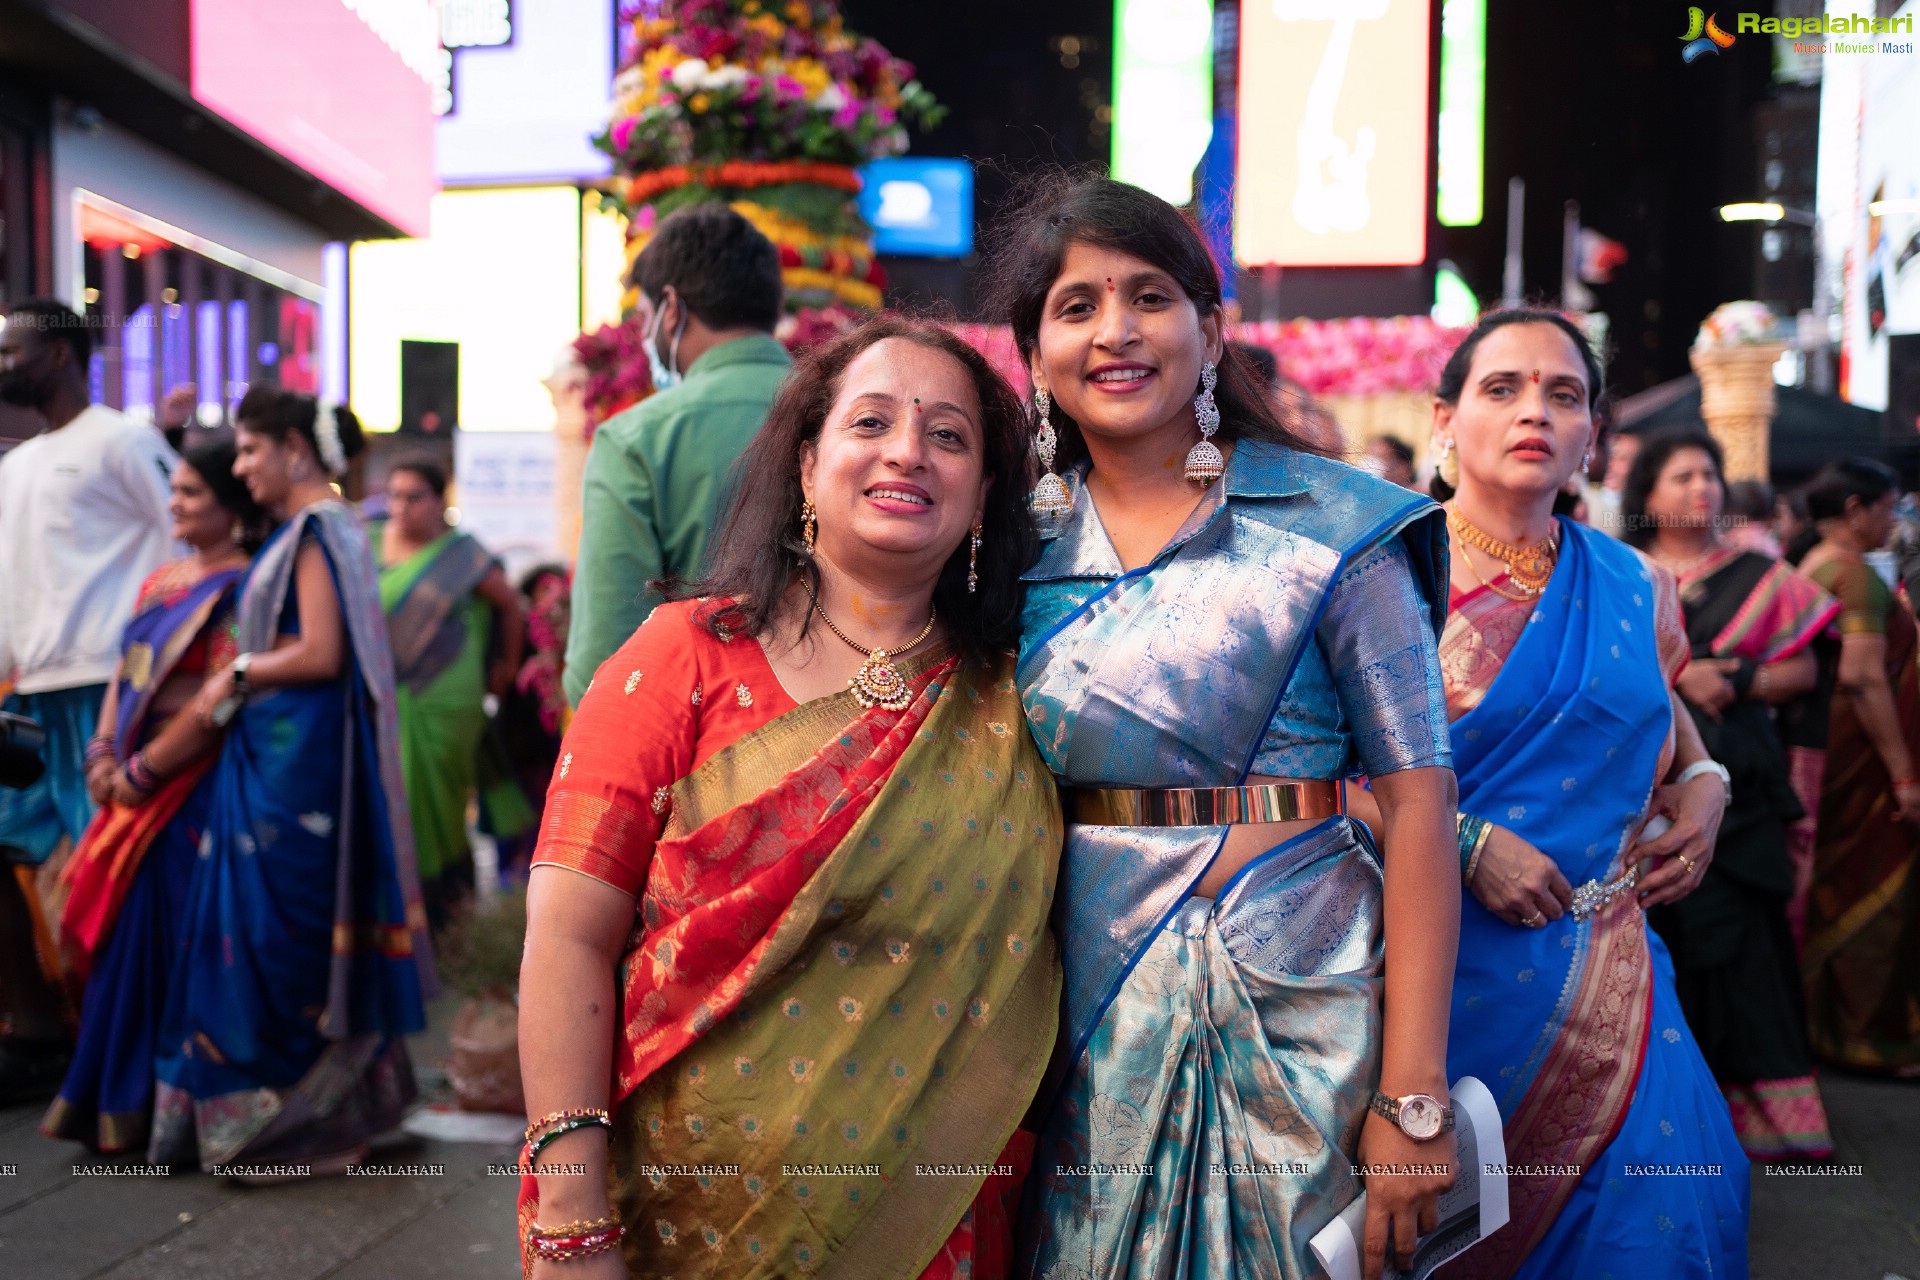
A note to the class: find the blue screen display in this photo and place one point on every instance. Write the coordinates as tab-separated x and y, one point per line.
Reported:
919	207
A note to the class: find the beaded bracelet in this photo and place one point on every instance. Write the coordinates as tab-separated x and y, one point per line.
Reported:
555	1117
99	747
554	1248
539	1144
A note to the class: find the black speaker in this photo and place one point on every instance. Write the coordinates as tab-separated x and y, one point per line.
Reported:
429	387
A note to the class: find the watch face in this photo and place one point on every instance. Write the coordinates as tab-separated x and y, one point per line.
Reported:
1420	1116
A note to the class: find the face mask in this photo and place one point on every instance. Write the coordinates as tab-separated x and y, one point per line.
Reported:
664	373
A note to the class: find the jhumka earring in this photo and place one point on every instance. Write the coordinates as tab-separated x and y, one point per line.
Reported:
1051	497
973	561
809	521
1444	464
1205	461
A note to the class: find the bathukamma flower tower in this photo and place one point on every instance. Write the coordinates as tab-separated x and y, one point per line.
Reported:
769	107
1734	354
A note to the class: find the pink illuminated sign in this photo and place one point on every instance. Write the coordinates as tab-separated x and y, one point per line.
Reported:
337	86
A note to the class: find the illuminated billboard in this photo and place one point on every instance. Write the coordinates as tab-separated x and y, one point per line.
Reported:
1162	93
340	87
919	207
1333	133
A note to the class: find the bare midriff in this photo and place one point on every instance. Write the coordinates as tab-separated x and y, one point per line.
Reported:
1247	841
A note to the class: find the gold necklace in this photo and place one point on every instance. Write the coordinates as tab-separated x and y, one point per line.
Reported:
1517	597
878	683
1529	567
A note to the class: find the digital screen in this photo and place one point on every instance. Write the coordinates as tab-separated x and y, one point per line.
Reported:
527	111
340	89
1162	93
919	207
1333	133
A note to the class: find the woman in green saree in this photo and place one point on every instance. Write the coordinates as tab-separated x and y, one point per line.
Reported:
787	922
444	595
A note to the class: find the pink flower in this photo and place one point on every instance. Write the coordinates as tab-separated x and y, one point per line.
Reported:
847	116
788	87
623	132
751	93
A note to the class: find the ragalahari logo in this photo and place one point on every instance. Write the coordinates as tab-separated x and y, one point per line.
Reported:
1703	35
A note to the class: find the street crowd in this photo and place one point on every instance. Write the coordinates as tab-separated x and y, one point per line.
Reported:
1084	831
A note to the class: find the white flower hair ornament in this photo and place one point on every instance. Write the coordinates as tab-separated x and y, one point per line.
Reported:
326	434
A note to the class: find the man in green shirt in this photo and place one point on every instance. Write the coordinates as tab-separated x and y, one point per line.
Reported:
709	298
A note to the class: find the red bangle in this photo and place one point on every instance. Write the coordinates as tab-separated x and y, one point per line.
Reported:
1905	782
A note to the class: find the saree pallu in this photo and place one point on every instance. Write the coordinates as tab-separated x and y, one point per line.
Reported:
1734	960
1861	960
303	957
127	879
1621	1156
841	992
1218	1056
439	631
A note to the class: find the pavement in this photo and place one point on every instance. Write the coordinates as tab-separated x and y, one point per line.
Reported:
1857	1220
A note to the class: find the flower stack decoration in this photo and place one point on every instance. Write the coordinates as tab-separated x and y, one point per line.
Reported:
768	106
1734	354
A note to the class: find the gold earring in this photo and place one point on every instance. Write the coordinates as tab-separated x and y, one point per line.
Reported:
809	522
973	561
1444	464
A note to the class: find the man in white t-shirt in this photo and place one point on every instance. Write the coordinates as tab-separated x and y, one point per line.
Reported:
83	521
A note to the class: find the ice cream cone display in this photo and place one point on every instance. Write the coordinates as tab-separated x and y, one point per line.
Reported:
1734	355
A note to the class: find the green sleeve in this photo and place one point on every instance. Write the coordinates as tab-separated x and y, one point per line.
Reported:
619	555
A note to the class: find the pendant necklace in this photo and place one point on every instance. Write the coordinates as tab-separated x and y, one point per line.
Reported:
1529	567
878	683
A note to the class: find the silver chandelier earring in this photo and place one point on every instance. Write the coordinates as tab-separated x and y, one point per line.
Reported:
1205	461
973	560
1051	497
1444	465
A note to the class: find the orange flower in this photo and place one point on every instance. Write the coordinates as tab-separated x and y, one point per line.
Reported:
699	102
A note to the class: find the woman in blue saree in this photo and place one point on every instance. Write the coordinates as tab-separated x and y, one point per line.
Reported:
1209	646
147	769
304	955
1559	657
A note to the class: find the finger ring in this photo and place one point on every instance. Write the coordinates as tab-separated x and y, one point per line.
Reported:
1534	921
1687	861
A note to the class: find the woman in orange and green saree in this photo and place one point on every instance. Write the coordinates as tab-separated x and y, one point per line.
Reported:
789	986
1861	958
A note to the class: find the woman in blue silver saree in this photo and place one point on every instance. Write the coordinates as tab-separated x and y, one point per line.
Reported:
304	957
1212	641
1559	658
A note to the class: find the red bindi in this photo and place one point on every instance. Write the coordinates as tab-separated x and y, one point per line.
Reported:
1109	284
1536	377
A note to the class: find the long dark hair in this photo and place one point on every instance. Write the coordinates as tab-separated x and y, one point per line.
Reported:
758	550
1057	208
1453	376
211	455
1644	475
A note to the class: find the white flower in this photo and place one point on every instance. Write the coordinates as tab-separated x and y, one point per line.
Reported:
689	75
830	98
727	76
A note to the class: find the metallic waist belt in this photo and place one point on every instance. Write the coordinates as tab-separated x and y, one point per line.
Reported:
1204	806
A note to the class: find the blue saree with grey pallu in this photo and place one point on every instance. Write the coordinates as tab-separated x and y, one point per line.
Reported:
304	954
1218	1055
1624	1163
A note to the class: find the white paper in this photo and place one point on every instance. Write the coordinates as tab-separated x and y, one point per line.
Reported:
1474	1209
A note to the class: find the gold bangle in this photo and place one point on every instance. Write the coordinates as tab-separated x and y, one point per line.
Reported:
579	1228
1473	858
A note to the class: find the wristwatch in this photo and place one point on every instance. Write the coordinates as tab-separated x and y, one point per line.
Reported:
1419	1115
239	668
229	706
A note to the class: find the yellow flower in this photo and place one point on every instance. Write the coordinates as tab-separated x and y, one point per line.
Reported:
699	102
809	74
768	25
798	13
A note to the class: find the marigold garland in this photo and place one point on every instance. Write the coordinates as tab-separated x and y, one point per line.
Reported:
744	174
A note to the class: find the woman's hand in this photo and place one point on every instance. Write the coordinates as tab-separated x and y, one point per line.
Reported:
1695	809
1403	1193
500	678
1518	883
100	775
1906	796
123	793
1704	684
215	691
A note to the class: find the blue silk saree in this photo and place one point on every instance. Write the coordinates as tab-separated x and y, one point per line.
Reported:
304	955
1218	1054
1623	1160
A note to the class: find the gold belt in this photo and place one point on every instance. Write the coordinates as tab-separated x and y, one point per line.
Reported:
1204	806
